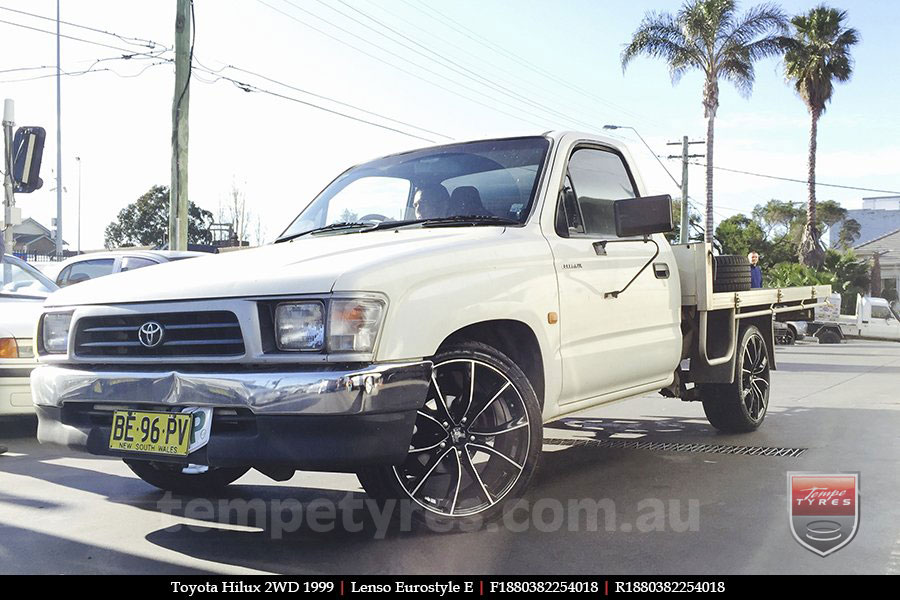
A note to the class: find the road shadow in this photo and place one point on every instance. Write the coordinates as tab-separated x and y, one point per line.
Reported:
18	427
28	552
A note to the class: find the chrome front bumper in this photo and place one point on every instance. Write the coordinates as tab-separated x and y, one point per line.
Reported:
376	388
331	419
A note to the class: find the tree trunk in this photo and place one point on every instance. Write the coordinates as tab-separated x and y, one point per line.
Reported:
710	126
810	252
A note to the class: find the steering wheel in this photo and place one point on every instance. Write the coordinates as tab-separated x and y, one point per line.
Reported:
373	217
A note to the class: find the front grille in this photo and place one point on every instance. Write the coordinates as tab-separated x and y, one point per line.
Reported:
214	333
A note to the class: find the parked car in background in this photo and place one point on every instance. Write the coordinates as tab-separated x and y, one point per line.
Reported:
99	264
23	290
873	319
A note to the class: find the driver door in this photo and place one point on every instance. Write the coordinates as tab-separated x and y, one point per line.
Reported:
610	345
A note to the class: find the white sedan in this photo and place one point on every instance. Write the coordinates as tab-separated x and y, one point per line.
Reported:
23	290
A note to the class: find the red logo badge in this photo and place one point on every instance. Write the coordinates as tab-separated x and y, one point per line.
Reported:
823	509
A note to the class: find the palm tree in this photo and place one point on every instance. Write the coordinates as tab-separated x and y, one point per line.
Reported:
815	57
709	36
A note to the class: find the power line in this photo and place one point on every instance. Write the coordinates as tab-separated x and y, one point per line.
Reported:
804	181
451	23
392	65
68	37
137	41
321	97
446	62
91	69
247	87
502	72
406	59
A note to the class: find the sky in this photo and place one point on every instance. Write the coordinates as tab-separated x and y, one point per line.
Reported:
437	70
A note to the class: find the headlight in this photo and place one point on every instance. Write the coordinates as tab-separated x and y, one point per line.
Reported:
55	331
353	324
300	326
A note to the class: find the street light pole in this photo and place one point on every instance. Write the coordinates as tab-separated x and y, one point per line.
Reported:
78	159
59	248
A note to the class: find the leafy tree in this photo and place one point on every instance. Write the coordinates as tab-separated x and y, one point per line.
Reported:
817	55
709	36
739	235
850	232
146	222
693	220
845	272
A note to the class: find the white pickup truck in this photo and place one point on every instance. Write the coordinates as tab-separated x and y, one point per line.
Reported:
417	324
874	319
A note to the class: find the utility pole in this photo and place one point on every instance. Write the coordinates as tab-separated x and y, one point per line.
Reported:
78	160
684	234
178	191
59	188
8	198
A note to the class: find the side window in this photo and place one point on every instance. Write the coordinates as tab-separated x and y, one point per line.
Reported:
596	178
62	278
130	263
881	312
89	269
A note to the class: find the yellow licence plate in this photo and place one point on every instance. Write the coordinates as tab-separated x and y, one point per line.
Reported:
151	432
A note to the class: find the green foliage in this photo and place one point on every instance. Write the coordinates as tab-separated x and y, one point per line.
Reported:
146	222
696	233
818	54
846	273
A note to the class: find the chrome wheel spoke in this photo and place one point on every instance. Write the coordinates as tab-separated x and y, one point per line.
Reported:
500	431
491	401
495	452
474	474
459	470
414	450
430	471
441	401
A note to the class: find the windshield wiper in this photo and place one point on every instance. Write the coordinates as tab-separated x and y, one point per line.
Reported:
434	222
332	227
468	220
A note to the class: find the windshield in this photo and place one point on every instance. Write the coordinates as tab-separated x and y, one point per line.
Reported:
494	179
21	279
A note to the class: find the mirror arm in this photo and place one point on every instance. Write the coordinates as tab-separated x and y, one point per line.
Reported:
600	249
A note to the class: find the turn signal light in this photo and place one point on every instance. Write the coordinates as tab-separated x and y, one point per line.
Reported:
9	348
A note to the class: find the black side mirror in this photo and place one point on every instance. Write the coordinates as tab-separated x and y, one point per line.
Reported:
643	216
28	148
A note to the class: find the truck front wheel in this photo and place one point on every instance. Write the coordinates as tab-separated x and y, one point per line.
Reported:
172	478
741	406
476	441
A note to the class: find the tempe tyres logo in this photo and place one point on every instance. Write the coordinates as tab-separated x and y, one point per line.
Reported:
823	509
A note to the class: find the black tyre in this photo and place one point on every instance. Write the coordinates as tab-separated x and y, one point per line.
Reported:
476	443
731	273
741	406
171	478
829	336
790	336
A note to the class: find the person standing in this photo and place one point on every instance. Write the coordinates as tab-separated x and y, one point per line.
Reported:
755	271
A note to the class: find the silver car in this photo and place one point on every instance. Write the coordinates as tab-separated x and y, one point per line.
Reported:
23	290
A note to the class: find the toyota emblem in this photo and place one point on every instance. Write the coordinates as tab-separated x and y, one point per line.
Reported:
150	335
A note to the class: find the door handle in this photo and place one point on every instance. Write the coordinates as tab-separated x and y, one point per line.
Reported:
661	270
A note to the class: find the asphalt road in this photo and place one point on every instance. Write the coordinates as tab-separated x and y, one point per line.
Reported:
838	407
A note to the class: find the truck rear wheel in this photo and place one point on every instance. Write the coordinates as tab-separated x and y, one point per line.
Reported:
741	406
475	445
172	478
828	336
